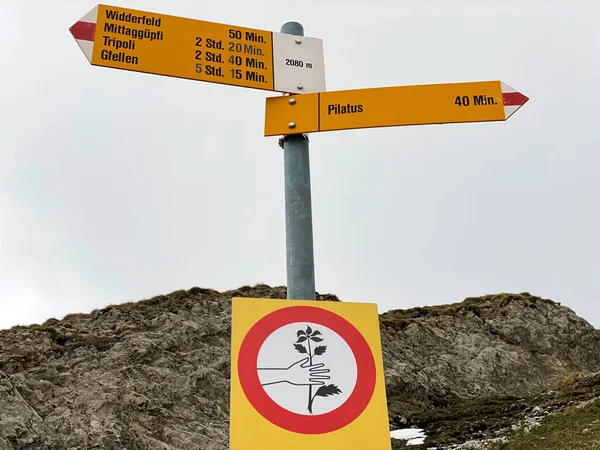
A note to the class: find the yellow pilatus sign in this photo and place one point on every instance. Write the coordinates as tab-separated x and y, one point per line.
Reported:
306	374
385	107
161	44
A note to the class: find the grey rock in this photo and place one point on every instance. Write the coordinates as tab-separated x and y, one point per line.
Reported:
155	374
498	345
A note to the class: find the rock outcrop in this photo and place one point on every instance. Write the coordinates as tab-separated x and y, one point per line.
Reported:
155	374
491	346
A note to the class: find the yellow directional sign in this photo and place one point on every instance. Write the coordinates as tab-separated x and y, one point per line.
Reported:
392	106
306	375
160	44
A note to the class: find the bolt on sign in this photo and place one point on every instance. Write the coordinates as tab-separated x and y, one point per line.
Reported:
306	374
160	44
484	101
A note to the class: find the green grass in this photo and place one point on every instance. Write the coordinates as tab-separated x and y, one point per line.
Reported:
483	418
576	429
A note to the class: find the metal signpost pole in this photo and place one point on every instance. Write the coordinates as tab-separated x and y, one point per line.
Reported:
298	208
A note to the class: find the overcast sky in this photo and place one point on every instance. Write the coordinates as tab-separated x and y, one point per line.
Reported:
119	186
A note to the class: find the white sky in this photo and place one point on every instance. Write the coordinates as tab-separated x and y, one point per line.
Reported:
118	186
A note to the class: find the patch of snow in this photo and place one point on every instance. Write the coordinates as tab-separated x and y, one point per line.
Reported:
412	436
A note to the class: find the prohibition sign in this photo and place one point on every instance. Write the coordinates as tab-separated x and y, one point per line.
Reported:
291	421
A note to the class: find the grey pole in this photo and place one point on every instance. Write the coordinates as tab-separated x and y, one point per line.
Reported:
298	208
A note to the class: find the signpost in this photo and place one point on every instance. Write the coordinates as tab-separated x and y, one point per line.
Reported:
306	374
485	101
160	44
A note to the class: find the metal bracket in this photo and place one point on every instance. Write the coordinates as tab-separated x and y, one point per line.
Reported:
282	139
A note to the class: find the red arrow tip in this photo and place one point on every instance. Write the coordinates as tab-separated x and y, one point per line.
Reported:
514	99
84	31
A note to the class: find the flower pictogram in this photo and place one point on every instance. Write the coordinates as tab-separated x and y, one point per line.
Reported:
309	335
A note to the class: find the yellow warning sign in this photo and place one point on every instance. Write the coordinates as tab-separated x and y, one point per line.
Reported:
306	374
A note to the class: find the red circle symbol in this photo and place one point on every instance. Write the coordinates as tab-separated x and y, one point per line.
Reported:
291	421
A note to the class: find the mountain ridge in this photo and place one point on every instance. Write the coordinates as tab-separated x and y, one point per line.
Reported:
155	373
